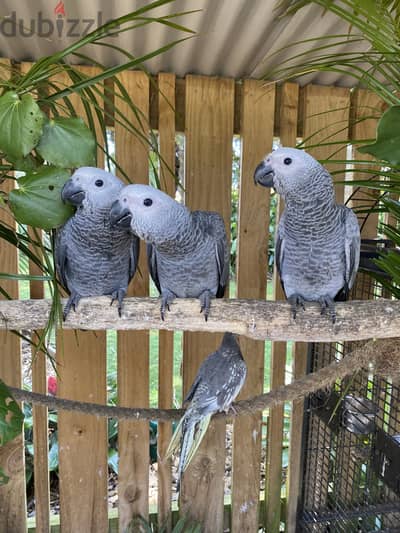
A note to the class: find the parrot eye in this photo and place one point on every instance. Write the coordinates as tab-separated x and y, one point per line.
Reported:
287	161
99	183
147	202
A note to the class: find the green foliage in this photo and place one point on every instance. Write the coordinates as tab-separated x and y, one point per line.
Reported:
37	201
21	122
11	419
11	416
387	144
67	143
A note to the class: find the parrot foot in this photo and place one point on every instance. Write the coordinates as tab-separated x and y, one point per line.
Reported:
296	301
167	297
118	294
327	304
72	303
205	303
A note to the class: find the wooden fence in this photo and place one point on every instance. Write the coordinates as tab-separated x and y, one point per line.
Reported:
210	112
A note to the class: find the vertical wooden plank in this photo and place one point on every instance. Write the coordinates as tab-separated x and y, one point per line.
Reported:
40	419
83	471
133	346
12	495
166	131
208	160
300	352
288	112
365	104
81	365
326	119
39	414
258	104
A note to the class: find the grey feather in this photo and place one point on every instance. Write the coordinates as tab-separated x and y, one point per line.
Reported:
219	380
188	254
92	258
318	241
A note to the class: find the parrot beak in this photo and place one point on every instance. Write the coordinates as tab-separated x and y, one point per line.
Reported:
72	193
264	175
120	216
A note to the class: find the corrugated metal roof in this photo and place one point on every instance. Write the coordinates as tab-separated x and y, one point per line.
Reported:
234	38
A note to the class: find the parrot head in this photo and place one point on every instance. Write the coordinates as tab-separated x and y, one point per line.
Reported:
289	170
150	214
91	186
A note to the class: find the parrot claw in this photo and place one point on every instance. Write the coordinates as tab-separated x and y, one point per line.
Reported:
296	301
119	295
167	297
327	304
72	303
205	304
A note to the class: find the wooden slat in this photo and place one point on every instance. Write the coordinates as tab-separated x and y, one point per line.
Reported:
326	113
300	351
83	472
365	104
39	414
208	162
133	347
40	419
257	118
288	113
12	495
83	446
166	130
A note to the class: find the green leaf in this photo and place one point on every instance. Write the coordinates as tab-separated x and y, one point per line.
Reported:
387	144
67	143
53	454
38	202
3	478
21	123
11	416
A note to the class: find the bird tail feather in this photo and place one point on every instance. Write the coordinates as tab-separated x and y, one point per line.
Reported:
175	440
196	438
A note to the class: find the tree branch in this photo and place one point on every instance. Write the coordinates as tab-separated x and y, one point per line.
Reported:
257	319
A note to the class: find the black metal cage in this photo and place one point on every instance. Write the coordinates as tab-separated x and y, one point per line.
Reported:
351	448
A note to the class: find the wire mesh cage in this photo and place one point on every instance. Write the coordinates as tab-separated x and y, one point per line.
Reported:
351	449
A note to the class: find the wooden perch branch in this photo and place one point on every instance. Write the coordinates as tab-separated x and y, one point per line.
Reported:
257	319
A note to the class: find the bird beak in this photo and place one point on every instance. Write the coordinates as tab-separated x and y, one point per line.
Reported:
120	216
264	175
72	193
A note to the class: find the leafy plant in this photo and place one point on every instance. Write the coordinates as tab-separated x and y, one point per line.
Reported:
11	419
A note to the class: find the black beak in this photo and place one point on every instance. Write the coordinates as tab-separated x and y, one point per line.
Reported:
72	193
120	216
264	175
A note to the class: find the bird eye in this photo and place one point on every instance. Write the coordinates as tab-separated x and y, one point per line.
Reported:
99	183
287	161
147	202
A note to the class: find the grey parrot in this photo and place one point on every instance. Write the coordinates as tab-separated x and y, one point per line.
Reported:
93	258
317	244
187	251
218	382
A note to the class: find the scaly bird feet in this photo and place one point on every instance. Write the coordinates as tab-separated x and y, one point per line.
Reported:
118	294
296	301
327	304
73	301
205	303
167	297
